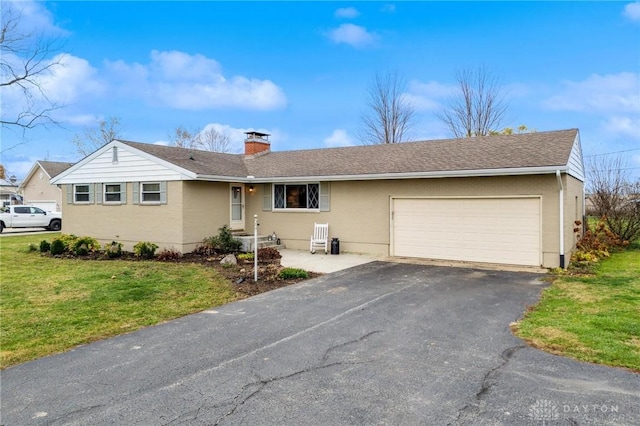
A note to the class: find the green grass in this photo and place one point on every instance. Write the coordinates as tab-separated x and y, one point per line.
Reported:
591	318
50	305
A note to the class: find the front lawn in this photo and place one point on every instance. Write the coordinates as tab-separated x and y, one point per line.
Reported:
50	305
591	318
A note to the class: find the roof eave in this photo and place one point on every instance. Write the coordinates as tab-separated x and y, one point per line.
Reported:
388	176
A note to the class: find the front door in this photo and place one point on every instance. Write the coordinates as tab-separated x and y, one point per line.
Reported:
237	206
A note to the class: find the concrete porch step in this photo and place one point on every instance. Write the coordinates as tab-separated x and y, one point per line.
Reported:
263	241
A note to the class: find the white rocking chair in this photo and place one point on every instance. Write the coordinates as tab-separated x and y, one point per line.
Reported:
320	237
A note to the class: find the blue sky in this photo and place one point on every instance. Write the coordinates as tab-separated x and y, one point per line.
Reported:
300	70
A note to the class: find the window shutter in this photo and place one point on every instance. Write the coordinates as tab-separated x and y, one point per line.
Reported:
99	191
136	192
266	197
91	192
163	192
123	192
69	193
325	200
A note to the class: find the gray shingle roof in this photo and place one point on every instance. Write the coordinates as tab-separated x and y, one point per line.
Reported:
200	162
529	150
54	167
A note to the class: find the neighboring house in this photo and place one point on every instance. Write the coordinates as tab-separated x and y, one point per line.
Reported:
37	189
508	199
8	192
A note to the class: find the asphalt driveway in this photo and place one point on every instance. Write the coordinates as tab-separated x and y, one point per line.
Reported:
381	343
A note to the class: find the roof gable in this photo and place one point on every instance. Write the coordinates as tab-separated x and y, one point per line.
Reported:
50	168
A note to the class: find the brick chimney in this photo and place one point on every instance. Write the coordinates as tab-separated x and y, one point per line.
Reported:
256	143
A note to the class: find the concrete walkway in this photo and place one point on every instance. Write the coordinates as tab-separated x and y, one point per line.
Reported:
323	263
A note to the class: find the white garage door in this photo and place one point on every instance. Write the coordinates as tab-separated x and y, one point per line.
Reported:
494	230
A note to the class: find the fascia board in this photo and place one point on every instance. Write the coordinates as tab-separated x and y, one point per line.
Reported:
413	175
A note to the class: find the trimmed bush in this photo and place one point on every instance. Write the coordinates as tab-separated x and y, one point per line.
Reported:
58	247
85	245
223	242
45	246
113	250
145	250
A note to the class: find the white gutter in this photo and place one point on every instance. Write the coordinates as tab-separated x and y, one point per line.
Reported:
561	211
385	176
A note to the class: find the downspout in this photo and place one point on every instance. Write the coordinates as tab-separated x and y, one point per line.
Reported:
561	211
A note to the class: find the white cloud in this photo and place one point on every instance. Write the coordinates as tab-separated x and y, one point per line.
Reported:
632	11
388	8
614	98
339	137
33	18
599	93
623	126
65	79
192	82
426	96
353	35
74	78
346	13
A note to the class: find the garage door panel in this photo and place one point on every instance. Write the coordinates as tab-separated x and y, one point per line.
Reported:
495	230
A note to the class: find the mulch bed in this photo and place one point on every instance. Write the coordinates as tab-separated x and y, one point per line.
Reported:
242	274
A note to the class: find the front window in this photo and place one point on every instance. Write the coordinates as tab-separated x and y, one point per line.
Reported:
296	196
112	193
150	192
81	193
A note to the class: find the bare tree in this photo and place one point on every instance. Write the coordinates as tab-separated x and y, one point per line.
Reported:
213	140
25	59
207	140
93	138
389	115
478	108
183	138
615	196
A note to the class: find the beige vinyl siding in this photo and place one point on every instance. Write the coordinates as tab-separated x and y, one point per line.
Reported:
360	216
39	189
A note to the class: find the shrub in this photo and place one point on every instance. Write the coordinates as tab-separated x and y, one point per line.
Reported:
204	250
268	255
245	256
57	247
145	249
595	244
169	254
293	273
82	246
113	250
224	241
68	240
45	246
31	248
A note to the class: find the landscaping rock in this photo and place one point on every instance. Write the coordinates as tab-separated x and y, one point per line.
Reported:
229	259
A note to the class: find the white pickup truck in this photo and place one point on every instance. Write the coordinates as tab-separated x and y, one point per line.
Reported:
29	217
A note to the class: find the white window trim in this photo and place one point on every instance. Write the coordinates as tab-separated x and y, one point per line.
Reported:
293	210
159	192
88	193
104	194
